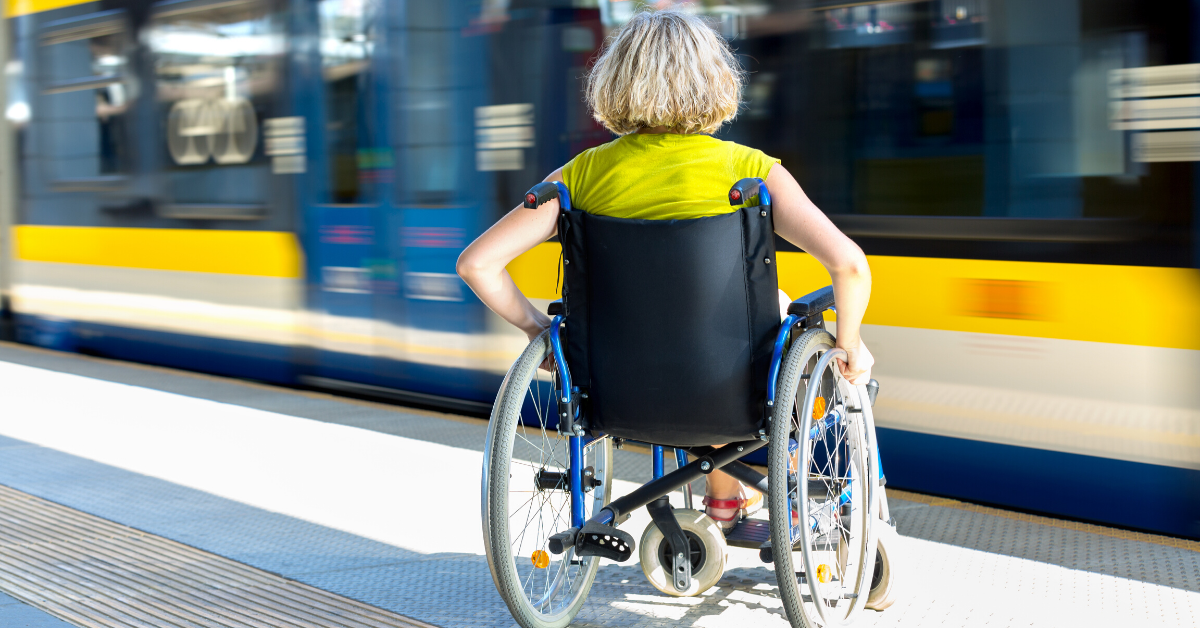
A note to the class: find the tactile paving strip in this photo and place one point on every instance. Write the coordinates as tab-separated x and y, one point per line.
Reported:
1116	533
99	574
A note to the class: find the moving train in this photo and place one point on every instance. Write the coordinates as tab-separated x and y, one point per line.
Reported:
279	189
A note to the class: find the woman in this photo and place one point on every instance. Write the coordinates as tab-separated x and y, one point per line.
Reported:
664	83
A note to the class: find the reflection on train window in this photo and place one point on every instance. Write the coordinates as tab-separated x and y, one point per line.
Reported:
347	47
218	70
958	23
89	95
112	102
870	25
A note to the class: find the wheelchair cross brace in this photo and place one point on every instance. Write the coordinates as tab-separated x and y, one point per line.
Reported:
675	480
740	471
606	520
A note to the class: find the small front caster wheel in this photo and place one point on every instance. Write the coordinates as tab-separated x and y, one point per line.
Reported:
708	553
883	581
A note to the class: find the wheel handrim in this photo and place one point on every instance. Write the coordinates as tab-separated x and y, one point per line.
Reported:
832	461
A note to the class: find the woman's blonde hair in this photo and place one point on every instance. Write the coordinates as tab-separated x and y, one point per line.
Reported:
665	68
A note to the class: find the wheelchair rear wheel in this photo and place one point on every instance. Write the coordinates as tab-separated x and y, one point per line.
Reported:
821	488
526	499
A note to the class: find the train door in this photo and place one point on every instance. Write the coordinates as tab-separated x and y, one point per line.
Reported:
430	339
346	171
482	94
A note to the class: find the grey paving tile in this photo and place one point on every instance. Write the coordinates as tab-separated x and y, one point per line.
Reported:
17	614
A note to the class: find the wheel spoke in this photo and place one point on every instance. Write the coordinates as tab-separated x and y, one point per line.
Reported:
532	514
831	465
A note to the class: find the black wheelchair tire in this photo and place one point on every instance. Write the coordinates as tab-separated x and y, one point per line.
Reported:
791	591
504	422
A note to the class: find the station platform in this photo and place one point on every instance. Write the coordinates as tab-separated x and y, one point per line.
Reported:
140	496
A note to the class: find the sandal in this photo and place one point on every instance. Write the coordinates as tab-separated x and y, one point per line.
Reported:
737	508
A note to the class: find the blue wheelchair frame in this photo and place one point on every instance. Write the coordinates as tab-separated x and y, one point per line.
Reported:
707	458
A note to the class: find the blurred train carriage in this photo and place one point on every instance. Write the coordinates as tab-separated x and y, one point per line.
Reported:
278	189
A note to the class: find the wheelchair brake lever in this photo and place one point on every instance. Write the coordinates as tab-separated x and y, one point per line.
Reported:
872	391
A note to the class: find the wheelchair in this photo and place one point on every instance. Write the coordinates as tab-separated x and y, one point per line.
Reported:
668	333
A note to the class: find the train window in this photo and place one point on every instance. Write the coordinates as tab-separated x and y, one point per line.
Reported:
935	120
218	70
88	93
534	118
878	109
347	49
913	123
434	107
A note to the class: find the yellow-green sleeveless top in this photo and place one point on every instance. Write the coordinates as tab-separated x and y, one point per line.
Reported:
661	176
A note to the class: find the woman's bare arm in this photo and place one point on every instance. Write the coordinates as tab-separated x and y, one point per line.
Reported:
800	222
482	264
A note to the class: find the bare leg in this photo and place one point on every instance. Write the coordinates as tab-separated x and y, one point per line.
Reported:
721	485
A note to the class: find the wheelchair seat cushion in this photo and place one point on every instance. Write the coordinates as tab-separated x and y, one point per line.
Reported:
670	323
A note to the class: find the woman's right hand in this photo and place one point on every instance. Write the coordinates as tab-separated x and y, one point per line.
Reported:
541	323
857	366
538	323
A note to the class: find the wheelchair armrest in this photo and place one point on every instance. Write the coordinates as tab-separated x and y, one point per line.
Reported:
812	303
555	308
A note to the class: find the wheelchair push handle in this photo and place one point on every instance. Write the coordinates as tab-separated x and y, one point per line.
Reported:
547	191
744	192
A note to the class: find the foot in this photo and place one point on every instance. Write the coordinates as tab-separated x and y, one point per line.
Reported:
728	512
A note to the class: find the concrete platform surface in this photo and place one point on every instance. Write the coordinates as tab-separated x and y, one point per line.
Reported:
381	504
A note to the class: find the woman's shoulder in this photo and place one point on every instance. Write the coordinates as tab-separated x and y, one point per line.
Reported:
595	156
749	159
741	150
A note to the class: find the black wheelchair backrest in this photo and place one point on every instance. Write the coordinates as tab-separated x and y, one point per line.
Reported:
670	323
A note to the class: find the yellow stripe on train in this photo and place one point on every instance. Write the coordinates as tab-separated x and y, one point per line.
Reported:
259	253
1133	305
16	8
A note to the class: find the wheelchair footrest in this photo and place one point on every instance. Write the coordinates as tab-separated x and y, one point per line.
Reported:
758	536
596	539
749	533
